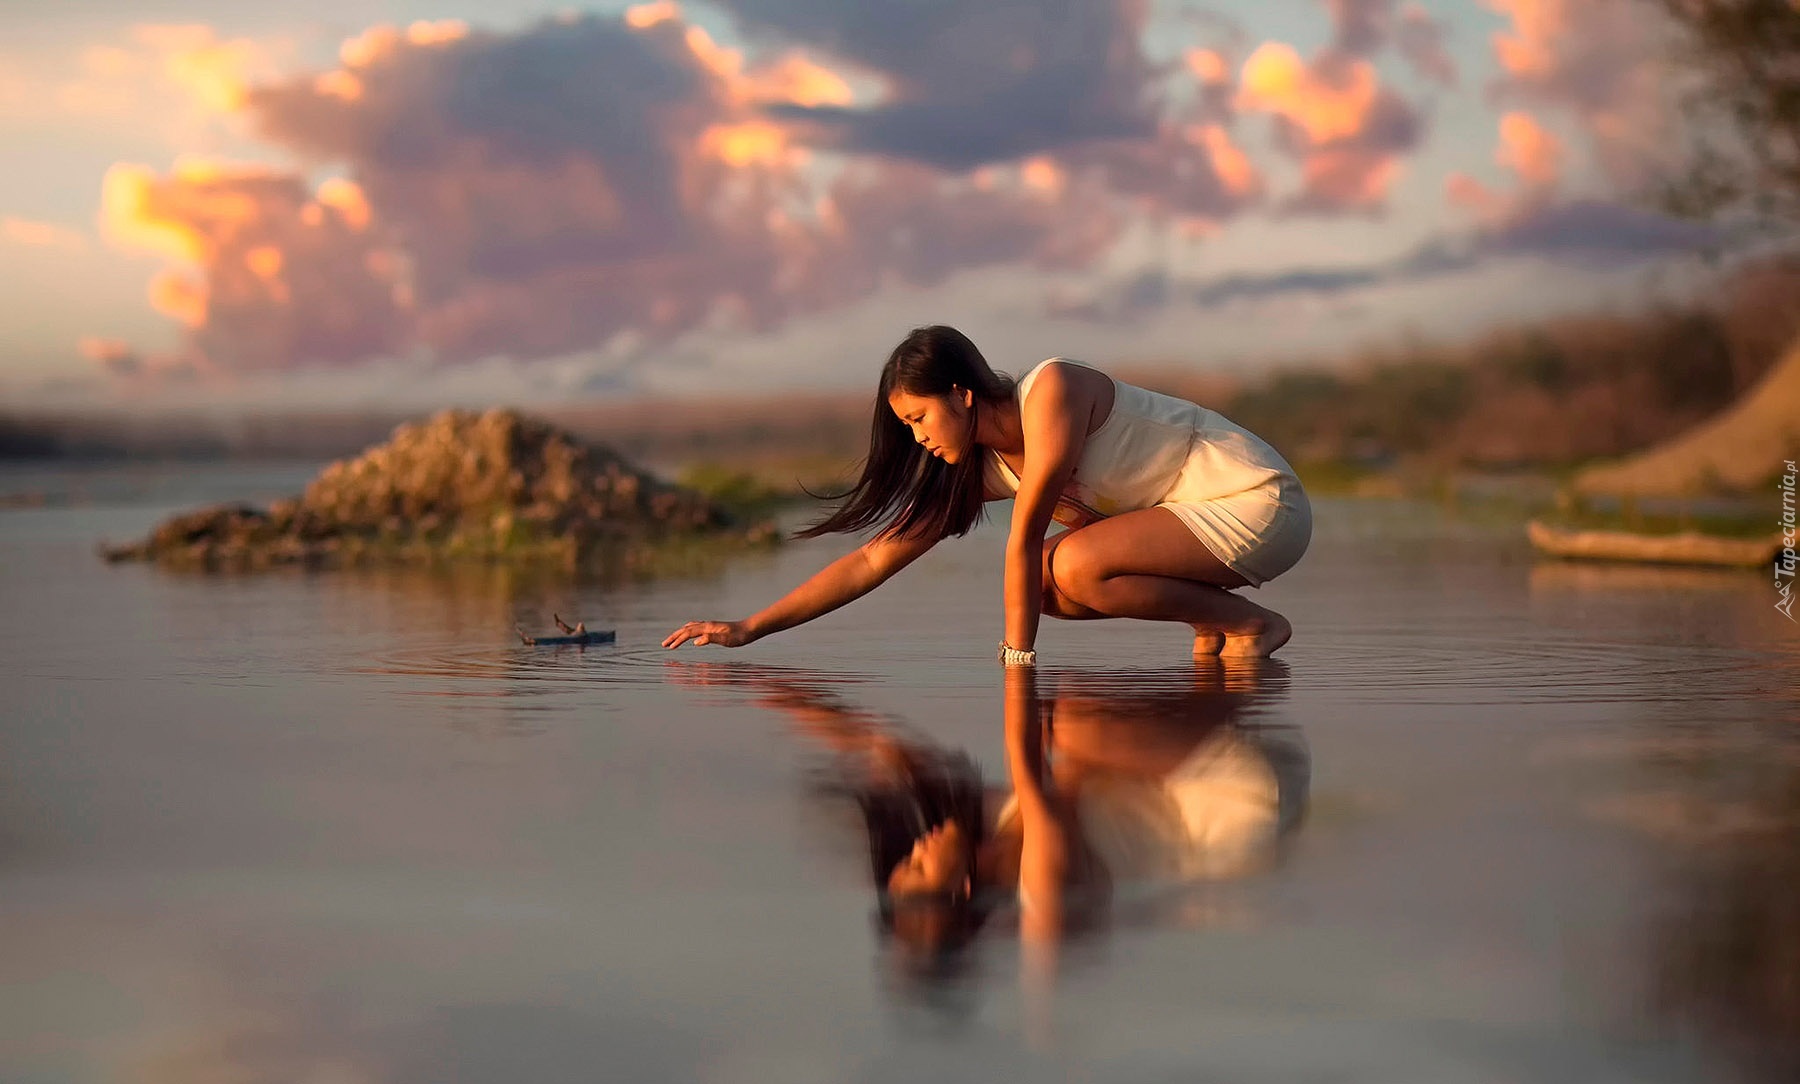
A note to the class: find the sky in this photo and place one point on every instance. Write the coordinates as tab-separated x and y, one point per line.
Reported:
419	203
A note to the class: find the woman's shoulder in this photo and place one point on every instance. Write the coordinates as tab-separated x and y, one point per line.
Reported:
1066	370
1032	374
1062	362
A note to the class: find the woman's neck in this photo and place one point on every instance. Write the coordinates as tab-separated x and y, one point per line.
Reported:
998	426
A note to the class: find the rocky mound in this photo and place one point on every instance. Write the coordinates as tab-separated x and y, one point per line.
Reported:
496	486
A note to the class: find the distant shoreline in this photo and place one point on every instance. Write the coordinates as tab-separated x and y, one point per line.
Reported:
1547	399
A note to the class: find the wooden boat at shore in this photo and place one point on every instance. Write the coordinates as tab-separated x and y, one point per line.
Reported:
1685	548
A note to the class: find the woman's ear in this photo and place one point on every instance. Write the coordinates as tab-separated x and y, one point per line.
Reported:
968	397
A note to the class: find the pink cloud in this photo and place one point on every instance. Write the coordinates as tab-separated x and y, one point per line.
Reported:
1599	62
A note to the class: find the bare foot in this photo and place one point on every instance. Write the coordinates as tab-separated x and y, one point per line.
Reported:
1208	641
1275	631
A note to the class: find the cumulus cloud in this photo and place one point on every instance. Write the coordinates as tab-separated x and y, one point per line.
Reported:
264	271
1529	151
1593	68
602	185
1531	154
1596	60
1348	132
1363	28
589	180
516	194
1360	27
176	81
1063	87
1420	39
969	84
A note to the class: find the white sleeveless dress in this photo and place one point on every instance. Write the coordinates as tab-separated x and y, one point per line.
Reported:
1215	816
1237	495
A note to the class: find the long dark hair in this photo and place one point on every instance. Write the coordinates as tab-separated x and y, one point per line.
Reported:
910	492
934	786
931	785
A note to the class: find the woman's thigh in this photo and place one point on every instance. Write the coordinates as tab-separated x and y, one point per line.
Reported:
1150	542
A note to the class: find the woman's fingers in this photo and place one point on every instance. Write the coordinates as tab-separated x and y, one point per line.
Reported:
700	632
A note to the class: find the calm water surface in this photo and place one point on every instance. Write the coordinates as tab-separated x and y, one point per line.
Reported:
343	828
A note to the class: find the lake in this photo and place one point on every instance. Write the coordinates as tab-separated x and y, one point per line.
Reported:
1540	821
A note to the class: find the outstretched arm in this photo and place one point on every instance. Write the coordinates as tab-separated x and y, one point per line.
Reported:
852	732
846	579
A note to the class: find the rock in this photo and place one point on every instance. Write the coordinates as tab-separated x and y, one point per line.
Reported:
495	485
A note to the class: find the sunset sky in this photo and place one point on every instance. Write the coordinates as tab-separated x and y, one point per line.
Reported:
411	203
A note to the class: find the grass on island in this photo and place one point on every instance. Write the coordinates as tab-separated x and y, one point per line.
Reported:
1628	518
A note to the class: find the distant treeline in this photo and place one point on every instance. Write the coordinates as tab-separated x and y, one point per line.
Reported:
747	432
176	436
1546	396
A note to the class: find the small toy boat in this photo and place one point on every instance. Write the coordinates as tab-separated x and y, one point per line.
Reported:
578	635
1686	548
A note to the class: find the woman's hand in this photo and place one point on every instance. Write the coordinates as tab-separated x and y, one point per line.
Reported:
723	633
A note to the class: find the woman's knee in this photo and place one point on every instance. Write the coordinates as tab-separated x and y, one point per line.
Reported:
1066	572
1059	603
1075	568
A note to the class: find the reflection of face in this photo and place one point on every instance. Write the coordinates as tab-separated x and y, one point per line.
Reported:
938	863
939	422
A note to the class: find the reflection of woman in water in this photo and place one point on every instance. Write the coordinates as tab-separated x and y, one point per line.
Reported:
1149	779
1169	506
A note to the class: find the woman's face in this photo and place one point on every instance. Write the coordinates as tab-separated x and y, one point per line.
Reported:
939	422
939	863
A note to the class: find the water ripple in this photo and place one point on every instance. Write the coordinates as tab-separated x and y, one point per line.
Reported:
1521	669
